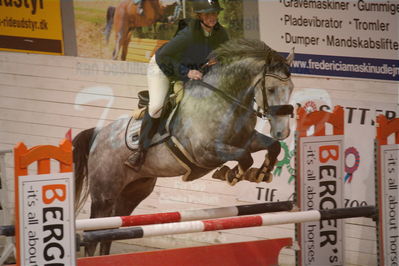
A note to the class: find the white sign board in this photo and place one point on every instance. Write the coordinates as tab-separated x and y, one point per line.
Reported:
389	198
356	38
321	185
46	219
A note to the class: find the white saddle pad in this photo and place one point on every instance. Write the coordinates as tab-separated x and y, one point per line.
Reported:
132	133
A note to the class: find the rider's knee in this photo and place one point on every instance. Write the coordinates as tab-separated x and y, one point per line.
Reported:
155	111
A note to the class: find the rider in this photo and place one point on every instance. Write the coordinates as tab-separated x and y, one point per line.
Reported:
179	59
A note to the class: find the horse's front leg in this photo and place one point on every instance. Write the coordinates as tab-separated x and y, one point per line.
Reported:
232	153
264	173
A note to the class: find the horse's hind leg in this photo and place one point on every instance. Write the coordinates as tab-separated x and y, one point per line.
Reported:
99	208
116	48
125	45
131	196
121	37
121	29
103	194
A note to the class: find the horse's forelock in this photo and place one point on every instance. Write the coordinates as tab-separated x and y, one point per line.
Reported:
278	67
242	49
238	49
244	59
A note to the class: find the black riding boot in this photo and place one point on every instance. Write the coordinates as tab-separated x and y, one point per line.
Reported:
148	129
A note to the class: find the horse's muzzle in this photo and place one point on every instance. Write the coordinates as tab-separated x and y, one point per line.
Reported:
285	109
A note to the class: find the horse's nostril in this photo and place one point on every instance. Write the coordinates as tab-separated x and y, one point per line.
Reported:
279	134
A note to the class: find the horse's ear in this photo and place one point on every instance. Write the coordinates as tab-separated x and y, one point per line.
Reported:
290	57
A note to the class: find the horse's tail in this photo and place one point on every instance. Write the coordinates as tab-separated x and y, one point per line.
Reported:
81	148
110	22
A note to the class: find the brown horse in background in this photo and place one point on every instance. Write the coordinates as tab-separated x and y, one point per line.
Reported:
125	18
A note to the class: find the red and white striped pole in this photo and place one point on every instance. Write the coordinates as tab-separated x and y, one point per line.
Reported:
227	223
171	217
187	215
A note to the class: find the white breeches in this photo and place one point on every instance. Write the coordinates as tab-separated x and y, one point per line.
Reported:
158	86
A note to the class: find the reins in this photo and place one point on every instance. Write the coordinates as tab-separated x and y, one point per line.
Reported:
229	97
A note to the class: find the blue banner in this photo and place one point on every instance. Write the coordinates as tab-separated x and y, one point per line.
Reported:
341	66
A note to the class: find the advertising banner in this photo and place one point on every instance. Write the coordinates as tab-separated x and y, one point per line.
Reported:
105	28
356	38
389	200
321	187
31	26
359	174
47	228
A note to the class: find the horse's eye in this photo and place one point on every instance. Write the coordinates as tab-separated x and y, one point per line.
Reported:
271	90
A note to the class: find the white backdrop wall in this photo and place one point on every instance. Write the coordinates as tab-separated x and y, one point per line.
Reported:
42	97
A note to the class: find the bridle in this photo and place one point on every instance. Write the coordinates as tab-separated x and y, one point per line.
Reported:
268	110
272	110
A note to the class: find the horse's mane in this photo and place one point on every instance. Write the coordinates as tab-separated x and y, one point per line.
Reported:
238	49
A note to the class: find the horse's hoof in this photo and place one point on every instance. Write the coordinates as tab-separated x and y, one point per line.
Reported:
260	178
265	177
221	173
233	176
230	178
233	182
251	174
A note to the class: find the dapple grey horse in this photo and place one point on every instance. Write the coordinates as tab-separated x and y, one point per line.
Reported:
214	123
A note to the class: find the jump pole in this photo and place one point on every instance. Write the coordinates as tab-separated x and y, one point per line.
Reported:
226	223
170	217
181	216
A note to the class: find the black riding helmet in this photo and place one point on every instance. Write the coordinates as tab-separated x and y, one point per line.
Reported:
206	6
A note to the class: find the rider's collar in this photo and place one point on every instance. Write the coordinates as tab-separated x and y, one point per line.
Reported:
203	26
206	33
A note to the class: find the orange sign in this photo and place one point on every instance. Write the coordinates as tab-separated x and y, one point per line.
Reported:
44	209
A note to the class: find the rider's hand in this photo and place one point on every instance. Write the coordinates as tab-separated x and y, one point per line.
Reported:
194	74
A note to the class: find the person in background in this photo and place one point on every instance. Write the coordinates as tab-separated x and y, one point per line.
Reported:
180	59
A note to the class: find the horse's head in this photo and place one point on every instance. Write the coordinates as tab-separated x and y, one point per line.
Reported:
252	69
272	93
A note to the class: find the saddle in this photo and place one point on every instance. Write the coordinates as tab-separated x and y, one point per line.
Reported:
134	125
193	171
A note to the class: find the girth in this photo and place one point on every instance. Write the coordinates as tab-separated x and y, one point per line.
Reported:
194	171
